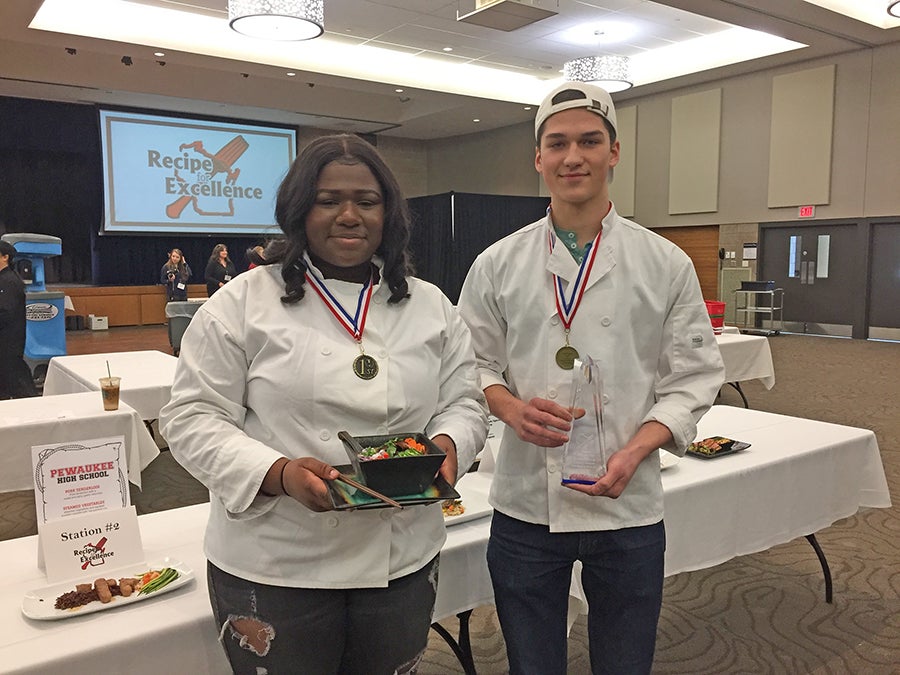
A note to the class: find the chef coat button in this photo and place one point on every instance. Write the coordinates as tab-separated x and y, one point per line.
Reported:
377	300
326	351
605	321
383	353
382	429
332	521
555	321
386	514
324	435
551	393
604	398
551	468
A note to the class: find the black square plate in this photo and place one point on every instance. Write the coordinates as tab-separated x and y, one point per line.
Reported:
346	497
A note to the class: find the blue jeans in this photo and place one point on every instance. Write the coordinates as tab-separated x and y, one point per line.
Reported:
622	576
310	631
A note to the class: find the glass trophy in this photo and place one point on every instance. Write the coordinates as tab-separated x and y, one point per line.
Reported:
584	456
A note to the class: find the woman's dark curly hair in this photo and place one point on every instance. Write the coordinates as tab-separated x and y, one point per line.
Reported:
297	195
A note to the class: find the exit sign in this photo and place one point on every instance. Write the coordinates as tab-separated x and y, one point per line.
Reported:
807	212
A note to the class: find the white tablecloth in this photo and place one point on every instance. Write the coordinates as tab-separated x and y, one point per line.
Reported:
147	377
798	477
26	422
747	357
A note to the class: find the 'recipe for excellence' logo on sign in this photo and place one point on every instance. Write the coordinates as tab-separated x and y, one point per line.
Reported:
40	311
196	177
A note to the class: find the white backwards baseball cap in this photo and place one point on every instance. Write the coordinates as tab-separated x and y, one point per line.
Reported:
570	95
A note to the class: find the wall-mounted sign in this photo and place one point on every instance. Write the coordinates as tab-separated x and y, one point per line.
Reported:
806	212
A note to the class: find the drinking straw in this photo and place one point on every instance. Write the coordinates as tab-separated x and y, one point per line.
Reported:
108	372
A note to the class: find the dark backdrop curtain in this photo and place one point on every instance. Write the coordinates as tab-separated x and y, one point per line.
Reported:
451	229
431	238
50	164
479	221
52	183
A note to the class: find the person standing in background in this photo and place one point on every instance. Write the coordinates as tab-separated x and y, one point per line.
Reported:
175	274
585	281
15	375
219	270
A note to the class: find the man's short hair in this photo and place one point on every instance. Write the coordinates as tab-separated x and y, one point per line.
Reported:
7	249
571	95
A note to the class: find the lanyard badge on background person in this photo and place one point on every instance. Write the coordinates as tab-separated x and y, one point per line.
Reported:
364	366
566	355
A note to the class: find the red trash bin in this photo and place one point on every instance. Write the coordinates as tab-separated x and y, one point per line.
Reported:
716	312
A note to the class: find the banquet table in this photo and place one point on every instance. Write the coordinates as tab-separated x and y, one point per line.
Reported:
147	377
66	418
746	357
797	477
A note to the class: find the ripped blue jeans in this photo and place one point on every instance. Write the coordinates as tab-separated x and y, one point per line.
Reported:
271	630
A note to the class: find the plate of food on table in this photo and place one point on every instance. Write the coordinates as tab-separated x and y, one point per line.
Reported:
111	589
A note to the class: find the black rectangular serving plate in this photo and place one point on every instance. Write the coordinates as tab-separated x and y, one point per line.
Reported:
346	497
736	446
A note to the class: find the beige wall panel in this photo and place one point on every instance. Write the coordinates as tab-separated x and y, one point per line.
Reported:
882	173
621	191
694	152
651	208
800	140
497	162
743	176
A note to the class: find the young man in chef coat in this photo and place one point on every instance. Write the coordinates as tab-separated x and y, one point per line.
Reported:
583	281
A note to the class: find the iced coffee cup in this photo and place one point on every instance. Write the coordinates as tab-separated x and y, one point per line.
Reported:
109	387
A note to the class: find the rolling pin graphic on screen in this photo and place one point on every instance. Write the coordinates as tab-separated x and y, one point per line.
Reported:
222	162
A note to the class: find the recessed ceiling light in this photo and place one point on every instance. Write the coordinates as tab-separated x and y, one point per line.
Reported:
159	53
476	120
290	74
603	33
527	107
448	49
399	91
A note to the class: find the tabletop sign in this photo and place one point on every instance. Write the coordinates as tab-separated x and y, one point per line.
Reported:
79	477
84	546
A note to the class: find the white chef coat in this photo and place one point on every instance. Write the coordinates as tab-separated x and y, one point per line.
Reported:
642	319
258	379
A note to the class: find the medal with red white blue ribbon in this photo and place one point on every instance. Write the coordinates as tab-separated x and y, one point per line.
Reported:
566	308
364	366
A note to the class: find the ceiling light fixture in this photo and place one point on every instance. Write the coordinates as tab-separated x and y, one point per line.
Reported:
894	8
278	19
609	72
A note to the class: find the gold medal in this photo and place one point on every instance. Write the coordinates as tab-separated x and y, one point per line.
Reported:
565	357
365	367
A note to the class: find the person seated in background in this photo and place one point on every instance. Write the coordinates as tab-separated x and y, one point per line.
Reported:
255	257
219	270
270	370
15	375
175	274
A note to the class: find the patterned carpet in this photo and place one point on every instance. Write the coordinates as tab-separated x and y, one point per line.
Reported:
762	613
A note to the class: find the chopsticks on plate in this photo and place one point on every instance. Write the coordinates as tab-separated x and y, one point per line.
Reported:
344	478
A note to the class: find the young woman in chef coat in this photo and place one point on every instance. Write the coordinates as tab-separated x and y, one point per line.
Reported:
331	333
